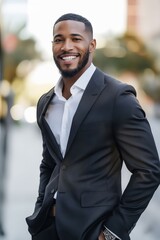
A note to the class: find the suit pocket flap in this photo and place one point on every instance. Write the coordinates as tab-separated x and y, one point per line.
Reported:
100	198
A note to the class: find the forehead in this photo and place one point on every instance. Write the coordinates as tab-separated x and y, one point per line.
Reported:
69	27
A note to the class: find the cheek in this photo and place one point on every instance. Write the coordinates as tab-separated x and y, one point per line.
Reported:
55	49
55	52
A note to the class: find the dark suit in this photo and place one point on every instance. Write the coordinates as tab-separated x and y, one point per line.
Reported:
109	127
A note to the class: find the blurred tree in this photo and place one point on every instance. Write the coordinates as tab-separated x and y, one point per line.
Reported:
15	50
125	53
128	53
151	85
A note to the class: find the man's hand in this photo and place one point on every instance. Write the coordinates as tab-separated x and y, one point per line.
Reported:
101	236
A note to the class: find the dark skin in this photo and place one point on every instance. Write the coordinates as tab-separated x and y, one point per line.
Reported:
73	49
71	43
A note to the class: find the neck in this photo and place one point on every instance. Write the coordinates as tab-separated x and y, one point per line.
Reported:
66	89
68	82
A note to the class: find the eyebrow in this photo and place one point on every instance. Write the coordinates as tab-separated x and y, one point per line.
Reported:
72	34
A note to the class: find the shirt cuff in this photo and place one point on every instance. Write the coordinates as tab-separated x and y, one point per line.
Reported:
109	235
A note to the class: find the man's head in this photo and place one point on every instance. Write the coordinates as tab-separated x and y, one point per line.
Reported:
73	44
77	18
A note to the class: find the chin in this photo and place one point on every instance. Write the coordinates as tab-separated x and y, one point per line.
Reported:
69	73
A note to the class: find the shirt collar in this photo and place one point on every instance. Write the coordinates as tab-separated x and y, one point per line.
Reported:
80	83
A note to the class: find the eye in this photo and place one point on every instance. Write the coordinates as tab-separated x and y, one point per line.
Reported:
76	39
57	40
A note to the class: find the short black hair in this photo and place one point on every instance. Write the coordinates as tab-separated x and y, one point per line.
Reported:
78	18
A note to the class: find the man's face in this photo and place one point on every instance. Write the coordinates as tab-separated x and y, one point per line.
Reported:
72	48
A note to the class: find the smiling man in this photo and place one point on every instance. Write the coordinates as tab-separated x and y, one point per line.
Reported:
90	123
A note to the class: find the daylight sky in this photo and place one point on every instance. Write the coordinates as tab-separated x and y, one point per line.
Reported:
105	15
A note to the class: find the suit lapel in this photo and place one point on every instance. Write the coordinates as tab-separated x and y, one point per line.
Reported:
50	138
93	90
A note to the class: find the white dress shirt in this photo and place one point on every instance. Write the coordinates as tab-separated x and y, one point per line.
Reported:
61	111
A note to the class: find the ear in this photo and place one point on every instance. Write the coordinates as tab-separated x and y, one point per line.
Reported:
92	45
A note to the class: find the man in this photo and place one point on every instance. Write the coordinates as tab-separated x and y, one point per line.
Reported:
91	123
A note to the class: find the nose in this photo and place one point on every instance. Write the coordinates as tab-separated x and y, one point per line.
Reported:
67	45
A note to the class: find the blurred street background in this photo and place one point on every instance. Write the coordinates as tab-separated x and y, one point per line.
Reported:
128	47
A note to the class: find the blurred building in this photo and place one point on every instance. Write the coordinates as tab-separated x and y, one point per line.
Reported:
13	14
143	20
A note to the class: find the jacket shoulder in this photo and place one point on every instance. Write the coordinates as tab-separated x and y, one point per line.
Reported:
119	84
114	85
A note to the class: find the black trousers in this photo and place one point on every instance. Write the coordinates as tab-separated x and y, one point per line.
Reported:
48	232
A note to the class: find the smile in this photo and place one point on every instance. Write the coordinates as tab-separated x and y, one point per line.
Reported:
68	58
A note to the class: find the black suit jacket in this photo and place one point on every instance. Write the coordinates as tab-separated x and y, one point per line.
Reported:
109	128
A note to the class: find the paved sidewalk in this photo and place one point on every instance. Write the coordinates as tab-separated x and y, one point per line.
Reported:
24	157
22	180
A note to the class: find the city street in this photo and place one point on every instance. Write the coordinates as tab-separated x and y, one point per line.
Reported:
22	176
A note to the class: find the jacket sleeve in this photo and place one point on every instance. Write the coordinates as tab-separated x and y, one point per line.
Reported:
45	175
47	164
137	149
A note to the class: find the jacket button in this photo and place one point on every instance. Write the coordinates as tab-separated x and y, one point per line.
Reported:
63	167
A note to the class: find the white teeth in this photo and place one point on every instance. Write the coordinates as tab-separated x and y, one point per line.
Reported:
69	58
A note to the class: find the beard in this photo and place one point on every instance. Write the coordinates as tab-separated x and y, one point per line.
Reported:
73	72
